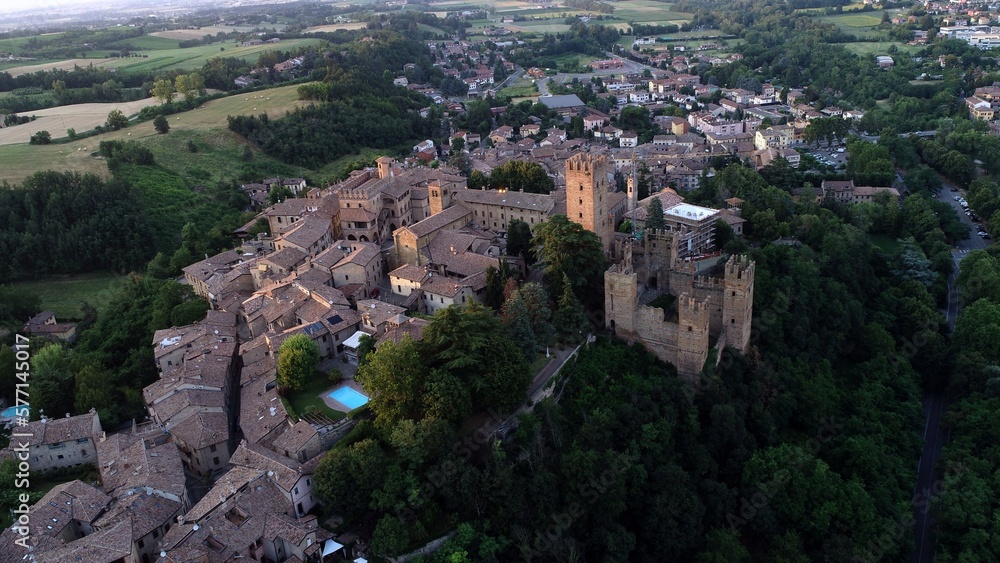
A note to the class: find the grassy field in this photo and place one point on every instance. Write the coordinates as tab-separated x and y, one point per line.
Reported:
519	90
184	34
207	126
64	295
173	59
871	48
149	42
649	11
81	117
308	399
862	25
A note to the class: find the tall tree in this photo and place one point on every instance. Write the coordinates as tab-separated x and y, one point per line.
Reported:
394	378
518	321
569	319
163	90
654	215
566	248
297	359
519	239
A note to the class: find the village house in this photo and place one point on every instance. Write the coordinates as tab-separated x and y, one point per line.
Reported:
246	514
68	441
192	400
44	325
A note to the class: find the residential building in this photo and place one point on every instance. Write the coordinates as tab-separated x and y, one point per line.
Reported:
55	443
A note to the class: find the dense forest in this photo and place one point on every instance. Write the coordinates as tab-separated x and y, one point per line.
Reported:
64	223
359	107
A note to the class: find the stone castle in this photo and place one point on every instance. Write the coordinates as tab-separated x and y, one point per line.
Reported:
671	305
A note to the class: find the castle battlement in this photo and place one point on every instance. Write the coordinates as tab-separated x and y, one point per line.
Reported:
586	162
742	269
708	282
709	308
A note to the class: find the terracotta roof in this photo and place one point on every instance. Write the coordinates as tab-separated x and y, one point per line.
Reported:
202	429
283	471
514	200
57	430
286	258
296	437
261	413
410	273
413	328
126	462
438	221
365	253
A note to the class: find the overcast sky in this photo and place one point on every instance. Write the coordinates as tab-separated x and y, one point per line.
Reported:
40	5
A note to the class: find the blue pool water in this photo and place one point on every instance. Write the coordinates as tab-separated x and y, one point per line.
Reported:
349	397
11	412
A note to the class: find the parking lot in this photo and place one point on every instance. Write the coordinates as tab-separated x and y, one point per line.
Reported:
829	155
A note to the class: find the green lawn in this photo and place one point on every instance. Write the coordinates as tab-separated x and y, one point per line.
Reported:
519	91
308	399
63	295
870	48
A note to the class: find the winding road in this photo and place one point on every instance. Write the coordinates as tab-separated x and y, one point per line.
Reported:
934	402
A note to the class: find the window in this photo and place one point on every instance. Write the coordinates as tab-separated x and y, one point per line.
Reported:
215	461
581	201
212	448
60	457
581	215
156	534
140	544
295	490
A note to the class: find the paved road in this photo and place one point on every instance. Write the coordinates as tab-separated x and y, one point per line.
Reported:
934	403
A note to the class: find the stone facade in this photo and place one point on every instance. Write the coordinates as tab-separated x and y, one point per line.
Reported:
707	310
587	195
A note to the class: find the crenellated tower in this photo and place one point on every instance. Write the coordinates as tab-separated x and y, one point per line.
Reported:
737	302
692	335
587	195
621	297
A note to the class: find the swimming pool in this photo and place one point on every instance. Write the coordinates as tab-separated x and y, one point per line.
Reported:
348	397
11	412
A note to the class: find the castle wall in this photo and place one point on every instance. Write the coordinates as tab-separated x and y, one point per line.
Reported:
657	335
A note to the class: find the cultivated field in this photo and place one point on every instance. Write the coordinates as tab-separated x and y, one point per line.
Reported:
335	26
81	117
67	64
207	127
649	11
185	34
174	59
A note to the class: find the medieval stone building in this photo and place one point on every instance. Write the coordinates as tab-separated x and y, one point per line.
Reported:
653	297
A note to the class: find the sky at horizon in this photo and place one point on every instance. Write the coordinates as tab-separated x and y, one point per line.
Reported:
41	5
